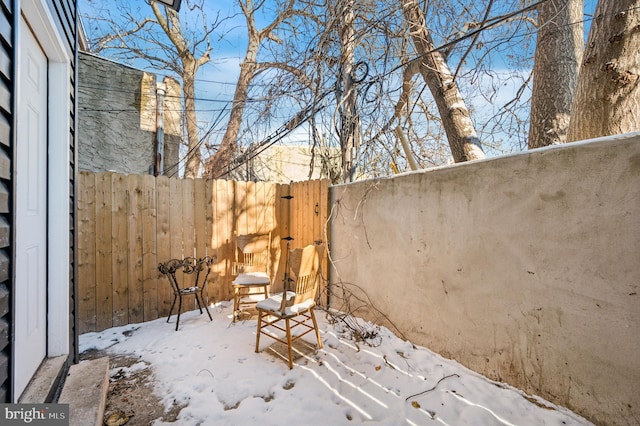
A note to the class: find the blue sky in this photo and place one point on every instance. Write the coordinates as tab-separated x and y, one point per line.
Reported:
216	80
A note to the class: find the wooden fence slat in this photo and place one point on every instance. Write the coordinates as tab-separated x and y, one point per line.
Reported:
104	276
119	245
294	215
163	240
251	209
135	234
86	253
200	224
240	208
315	211
217	243
260	208
199	217
231	224
188	225
150	271
323	208
175	220
283	230
266	204
306	216
207	234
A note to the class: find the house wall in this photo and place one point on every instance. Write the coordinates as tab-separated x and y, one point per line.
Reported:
6	119
117	118
523	268
64	15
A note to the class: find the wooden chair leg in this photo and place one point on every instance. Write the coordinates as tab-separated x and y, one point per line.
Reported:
259	331
236	303
315	325
289	343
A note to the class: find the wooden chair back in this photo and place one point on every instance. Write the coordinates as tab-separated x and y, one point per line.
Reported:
252	254
305	268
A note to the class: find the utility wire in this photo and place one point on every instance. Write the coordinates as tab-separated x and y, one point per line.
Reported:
175	167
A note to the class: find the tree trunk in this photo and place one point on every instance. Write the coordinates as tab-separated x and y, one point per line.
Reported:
216	166
190	65
607	100
454	114
193	158
555	71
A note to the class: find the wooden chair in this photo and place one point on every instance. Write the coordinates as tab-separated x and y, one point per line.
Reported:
251	269
295	305
190	265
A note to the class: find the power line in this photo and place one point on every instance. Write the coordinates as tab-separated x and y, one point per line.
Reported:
300	118
193	150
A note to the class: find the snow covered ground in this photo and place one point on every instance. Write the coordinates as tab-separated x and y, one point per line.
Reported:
211	368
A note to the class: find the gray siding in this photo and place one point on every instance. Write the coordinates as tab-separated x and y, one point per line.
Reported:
64	11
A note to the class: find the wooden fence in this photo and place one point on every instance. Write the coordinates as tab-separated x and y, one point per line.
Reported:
127	224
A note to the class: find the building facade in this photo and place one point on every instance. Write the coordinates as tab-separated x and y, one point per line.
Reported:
123	115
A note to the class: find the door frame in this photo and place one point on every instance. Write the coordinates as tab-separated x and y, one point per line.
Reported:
59	213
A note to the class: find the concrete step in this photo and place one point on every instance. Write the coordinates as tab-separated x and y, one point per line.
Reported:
85	390
45	384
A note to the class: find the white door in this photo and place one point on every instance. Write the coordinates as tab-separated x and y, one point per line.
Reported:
31	211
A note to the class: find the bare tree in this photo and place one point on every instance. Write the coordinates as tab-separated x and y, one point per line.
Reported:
607	99
250	68
455	116
559	50
173	48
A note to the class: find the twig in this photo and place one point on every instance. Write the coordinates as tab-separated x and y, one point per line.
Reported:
429	390
204	369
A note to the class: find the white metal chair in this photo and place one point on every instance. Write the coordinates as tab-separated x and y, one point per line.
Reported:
294	306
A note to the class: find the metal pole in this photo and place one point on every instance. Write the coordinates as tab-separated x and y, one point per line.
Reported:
160	92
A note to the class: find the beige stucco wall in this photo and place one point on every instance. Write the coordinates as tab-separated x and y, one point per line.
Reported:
523	268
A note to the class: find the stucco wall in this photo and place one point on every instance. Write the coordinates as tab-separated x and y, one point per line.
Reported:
523	268
117	118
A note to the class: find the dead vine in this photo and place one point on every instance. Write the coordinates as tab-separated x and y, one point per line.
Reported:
348	300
